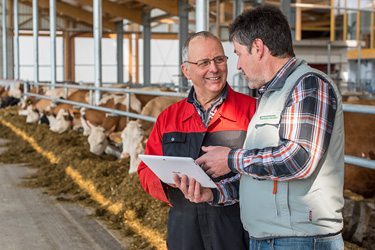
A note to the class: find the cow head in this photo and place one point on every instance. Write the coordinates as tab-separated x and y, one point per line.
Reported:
32	114
98	140
132	137
62	122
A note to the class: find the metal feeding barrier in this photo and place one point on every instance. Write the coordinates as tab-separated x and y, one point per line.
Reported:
358	161
126	91
365	109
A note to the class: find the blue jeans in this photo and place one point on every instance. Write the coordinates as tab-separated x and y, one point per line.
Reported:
331	242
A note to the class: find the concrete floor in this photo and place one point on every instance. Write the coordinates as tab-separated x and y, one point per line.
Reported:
30	219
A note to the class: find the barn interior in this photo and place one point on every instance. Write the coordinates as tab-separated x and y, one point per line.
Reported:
125	46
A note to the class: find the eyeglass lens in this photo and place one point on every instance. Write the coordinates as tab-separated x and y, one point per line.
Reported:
217	60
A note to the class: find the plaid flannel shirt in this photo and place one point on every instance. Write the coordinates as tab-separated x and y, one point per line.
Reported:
305	130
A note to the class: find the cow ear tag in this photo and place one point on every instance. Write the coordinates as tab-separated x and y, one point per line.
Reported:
118	140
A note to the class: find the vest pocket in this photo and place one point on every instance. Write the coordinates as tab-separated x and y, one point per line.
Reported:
267	130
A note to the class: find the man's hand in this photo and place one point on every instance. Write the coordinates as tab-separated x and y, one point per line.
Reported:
192	189
215	161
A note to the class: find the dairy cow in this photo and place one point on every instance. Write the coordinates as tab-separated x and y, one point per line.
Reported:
30	100
45	105
100	125
70	118
134	136
11	96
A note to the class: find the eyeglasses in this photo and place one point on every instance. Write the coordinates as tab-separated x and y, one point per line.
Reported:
206	62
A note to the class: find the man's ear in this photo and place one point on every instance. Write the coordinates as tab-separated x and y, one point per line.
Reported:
259	47
185	70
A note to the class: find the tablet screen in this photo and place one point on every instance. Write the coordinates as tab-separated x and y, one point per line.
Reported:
165	166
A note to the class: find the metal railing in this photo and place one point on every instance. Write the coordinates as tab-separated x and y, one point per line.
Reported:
126	91
358	161
365	109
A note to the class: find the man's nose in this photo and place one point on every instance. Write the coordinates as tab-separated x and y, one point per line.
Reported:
213	66
238	65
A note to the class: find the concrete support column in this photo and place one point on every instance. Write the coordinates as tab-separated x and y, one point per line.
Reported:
201	15
183	34
286	9
16	42
52	28
237	8
4	36
120	51
98	48
35	38
146	48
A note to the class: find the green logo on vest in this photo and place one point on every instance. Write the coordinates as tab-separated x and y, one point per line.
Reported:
268	117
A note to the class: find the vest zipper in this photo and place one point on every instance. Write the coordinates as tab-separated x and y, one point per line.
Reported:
274	193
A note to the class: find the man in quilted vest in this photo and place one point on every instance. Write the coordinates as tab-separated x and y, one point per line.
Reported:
292	161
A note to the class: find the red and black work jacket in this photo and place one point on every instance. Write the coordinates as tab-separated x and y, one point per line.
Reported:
179	131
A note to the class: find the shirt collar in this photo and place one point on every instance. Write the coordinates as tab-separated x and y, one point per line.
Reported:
278	80
192	95
190	110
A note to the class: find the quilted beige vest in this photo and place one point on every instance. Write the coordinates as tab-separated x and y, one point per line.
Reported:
301	207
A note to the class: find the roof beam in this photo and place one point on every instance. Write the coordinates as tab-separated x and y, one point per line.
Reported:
117	10
76	13
170	6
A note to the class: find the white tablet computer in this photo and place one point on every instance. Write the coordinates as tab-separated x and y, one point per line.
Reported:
165	166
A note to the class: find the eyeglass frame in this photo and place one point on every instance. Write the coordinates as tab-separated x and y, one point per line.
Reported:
209	61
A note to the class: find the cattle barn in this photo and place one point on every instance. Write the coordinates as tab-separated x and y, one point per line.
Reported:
82	84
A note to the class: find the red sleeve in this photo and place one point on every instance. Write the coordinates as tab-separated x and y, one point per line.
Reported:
149	181
253	108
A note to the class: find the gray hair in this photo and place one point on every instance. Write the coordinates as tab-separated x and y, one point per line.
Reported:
185	47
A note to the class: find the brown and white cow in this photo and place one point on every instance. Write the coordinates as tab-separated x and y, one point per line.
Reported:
73	114
11	95
135	134
98	137
71	118
47	105
58	126
30	100
144	98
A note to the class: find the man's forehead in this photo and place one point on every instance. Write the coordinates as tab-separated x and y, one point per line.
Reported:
195	44
197	41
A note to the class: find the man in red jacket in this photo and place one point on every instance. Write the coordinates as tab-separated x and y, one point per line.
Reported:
212	114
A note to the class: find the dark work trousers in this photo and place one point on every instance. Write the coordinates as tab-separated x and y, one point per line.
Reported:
203	227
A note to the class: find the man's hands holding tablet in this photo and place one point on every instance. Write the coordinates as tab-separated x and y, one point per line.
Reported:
182	173
192	189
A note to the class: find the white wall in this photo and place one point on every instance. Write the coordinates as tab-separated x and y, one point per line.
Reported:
85	60
26	45
164	60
